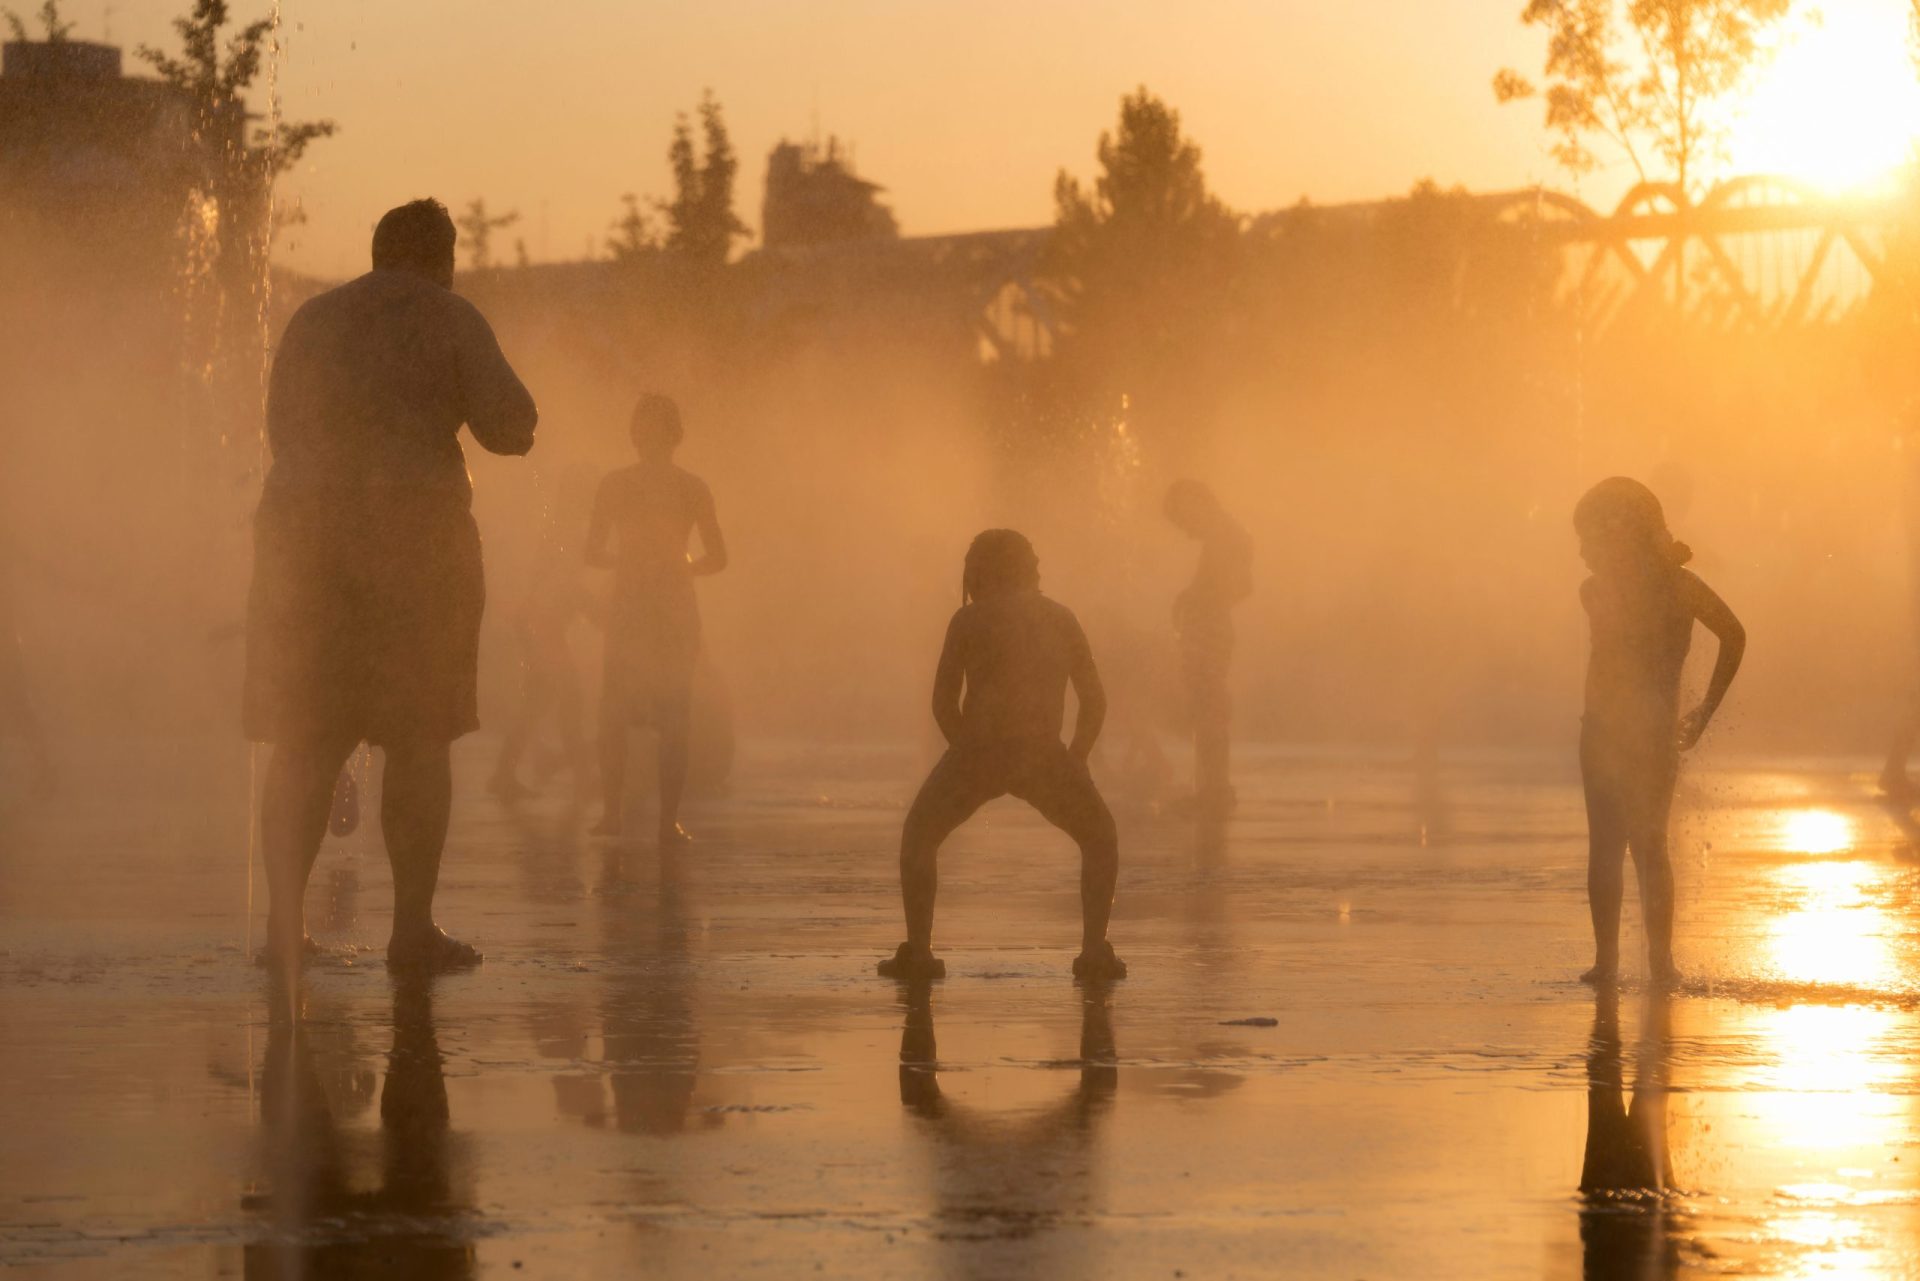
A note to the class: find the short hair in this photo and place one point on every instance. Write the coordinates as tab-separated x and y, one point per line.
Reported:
418	234
653	413
997	560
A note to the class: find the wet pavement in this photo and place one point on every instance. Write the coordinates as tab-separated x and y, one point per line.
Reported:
1351	1045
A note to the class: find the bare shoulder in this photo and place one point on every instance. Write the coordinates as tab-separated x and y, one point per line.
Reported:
1065	619
692	486
1692	587
1699	599
617	482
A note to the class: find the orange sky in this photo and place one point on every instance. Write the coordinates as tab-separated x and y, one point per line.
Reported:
963	110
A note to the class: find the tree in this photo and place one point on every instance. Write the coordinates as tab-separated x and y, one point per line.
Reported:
1141	266
633	235
700	220
478	226
215	87
53	29
1653	84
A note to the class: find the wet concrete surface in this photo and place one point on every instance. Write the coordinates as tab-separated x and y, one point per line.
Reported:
686	1065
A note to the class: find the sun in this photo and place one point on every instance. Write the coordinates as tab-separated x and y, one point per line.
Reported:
1838	105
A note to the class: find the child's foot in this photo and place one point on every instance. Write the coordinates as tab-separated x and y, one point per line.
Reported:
673	835
913	963
432	951
268	957
1099	964
609	825
1665	976
1602	973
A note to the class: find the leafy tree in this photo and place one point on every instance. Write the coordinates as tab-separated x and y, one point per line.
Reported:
701	223
478	226
1650	77
633	235
1141	267
53	29
214	77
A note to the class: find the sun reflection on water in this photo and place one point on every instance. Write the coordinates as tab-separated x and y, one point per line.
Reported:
1815	832
1832	930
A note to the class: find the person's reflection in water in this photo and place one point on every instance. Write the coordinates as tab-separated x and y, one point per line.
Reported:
319	1227
1625	1178
1001	1177
648	1025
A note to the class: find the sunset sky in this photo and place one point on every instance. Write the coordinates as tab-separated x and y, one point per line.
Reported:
964	111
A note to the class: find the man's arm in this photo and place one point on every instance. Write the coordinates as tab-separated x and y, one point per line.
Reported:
499	410
1088	693
948	678
713	545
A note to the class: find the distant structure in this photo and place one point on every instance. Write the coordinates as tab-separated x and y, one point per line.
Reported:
106	160
814	197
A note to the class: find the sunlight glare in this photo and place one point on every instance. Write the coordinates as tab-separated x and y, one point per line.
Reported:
1815	832
1839	105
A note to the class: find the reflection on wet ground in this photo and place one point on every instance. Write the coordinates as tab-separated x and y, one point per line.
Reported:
687	1066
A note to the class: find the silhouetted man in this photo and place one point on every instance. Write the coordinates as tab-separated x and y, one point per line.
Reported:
364	618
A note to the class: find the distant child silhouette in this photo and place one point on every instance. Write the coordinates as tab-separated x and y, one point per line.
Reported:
1203	623
1641	607
555	599
642	518
1013	652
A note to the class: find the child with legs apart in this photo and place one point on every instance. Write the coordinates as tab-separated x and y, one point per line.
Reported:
999	698
1641	606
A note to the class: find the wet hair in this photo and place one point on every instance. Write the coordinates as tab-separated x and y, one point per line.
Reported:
998	560
417	235
1622	507
1186	494
657	416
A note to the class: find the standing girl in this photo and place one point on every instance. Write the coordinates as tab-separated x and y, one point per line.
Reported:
1641	607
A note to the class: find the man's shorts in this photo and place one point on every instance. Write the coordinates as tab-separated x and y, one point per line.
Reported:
363	620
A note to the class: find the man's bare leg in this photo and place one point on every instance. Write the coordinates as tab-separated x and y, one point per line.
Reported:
293	821
415	803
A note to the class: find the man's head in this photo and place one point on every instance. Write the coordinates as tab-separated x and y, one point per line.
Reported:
656	427
1191	506
999	561
416	237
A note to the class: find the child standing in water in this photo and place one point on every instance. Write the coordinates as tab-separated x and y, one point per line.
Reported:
1203	622
1013	652
642	518
1641	607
